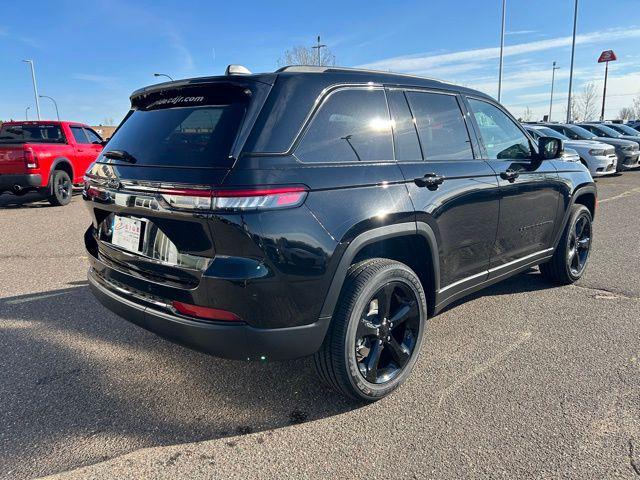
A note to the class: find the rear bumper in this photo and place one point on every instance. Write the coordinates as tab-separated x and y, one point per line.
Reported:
233	341
24	180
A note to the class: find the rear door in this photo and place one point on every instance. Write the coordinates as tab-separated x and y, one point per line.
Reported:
84	150
530	189
451	187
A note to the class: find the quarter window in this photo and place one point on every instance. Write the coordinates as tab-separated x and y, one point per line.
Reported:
441	126
352	125
405	136
501	136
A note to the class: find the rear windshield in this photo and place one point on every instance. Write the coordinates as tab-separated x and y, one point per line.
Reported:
182	129
31	133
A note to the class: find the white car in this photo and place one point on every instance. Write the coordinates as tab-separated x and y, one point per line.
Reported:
600	158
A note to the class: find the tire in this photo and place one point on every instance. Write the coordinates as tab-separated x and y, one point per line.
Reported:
570	259
61	188
354	339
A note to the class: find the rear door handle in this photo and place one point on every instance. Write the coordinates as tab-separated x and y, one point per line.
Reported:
510	175
431	180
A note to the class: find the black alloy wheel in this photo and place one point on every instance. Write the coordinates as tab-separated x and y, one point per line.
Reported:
375	334
570	259
579	245
387	332
61	188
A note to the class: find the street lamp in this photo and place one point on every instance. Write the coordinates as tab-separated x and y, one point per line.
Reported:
318	47
573	51
504	18
35	88
54	103
553	77
162	75
26	113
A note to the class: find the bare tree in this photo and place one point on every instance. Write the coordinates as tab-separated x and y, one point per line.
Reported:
626	113
301	55
636	107
527	115
586	103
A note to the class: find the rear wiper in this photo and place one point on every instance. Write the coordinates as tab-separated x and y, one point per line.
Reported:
120	155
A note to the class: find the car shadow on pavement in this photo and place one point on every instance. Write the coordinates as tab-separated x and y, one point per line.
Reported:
28	200
76	377
528	281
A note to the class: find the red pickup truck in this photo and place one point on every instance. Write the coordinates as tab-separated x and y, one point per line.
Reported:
46	156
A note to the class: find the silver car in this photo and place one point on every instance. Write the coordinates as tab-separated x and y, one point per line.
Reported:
599	158
627	151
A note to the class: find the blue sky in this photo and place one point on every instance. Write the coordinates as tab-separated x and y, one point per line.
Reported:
90	55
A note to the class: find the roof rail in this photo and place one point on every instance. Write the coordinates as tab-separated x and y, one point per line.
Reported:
319	69
303	69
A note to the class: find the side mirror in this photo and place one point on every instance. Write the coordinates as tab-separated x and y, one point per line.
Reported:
549	148
104	142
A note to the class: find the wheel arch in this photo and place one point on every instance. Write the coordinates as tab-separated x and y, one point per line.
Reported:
397	242
585	194
61	163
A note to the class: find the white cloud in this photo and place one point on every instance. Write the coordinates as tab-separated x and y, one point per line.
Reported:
424	63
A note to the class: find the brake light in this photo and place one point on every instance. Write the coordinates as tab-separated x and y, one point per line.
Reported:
205	312
246	199
30	158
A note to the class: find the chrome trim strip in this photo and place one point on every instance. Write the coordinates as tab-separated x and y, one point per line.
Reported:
518	260
466	279
495	269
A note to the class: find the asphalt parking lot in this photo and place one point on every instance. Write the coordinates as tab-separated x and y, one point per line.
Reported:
521	380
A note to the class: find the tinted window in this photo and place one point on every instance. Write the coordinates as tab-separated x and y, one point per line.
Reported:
441	127
405	136
578	133
187	136
78	134
547	132
92	136
501	136
351	125
602	131
31	133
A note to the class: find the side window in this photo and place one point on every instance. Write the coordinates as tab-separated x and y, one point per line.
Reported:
352	125
441	126
405	134
501	136
78	134
92	136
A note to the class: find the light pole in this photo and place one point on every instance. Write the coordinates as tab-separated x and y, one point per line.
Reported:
54	103
553	77
26	113
573	51
35	88
163	75
317	47
504	19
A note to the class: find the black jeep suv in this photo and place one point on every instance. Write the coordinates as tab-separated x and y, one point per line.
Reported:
325	212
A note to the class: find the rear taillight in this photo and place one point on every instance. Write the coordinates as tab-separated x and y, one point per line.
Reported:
205	312
30	158
245	199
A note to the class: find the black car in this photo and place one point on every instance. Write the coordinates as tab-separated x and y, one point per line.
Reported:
325	212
